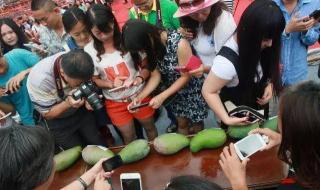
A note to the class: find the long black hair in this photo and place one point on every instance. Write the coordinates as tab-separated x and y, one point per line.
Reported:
263	19
22	39
209	24
300	145
140	36
102	17
71	17
26	157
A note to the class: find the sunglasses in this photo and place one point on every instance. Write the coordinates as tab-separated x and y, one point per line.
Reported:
190	4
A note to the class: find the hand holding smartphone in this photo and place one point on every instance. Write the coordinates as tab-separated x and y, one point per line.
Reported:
130	181
245	111
250	145
315	14
139	106
193	63
112	163
35	46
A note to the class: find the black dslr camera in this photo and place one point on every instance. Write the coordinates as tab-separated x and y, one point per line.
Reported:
88	90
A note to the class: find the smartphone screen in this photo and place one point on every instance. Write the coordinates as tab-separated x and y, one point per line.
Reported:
112	163
131	184
249	145
251	117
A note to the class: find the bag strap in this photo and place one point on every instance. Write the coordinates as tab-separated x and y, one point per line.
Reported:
57	77
229	54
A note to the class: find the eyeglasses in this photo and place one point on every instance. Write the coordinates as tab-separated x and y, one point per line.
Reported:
190	4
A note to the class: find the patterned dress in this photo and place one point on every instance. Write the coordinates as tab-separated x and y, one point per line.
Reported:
188	102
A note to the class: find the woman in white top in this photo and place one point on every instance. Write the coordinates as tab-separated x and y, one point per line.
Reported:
115	68
246	70
208	25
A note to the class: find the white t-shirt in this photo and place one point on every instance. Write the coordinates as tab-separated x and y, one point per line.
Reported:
224	69
204	45
111	66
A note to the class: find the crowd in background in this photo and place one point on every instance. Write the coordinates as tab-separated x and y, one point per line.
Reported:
74	71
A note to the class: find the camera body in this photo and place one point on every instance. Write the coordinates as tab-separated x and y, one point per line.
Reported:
88	90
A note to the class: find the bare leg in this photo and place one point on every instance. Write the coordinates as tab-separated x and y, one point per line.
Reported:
128	132
183	125
149	126
197	127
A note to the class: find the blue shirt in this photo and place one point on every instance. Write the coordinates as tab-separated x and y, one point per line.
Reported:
295	45
19	60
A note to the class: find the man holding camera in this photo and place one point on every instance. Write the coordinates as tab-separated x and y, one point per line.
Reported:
56	89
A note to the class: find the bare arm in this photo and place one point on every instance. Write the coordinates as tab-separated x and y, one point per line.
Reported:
151	85
184	53
210	91
101	83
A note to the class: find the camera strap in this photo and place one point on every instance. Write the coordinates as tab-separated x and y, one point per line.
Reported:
57	77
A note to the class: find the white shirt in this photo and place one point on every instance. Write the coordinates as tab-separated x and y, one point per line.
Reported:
224	69
111	66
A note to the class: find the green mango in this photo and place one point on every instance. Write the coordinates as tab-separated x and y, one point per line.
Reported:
91	154
67	158
134	151
170	143
239	131
208	138
272	123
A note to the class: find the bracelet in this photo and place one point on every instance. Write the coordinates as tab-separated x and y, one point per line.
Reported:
139	76
83	183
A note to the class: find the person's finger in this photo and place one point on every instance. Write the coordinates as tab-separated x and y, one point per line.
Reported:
226	152
244	162
255	131
232	149
222	157
222	165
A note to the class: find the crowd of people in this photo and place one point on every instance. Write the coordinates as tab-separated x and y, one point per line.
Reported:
74	71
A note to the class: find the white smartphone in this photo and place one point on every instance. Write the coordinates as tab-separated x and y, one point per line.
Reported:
130	181
250	145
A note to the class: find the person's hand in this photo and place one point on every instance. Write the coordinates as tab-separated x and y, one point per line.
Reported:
156	101
100	182
137	81
13	84
300	24
119	81
40	52
88	106
267	95
198	72
236	121
274	137
3	91
233	168
97	168
135	101
185	33
72	102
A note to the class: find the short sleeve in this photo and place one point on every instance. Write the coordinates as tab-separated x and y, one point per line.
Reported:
223	68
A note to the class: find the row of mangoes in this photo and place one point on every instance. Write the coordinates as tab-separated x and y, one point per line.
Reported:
166	144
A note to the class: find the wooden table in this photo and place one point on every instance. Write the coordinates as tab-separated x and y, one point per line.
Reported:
263	170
